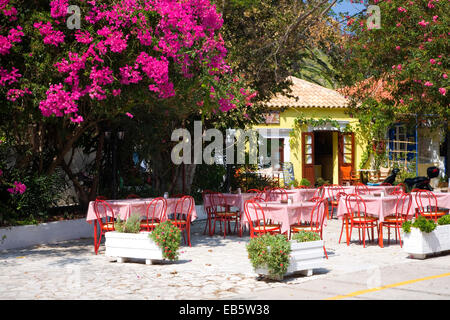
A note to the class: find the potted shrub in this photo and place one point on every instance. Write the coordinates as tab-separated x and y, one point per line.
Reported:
127	241
423	237
274	256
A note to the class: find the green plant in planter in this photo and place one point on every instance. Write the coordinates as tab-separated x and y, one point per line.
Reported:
420	223
406	226
305	182
167	236
271	251
305	236
131	225
444	220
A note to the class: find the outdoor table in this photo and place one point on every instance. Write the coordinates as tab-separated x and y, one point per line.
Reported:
300	195
379	207
233	200
285	214
443	200
124	208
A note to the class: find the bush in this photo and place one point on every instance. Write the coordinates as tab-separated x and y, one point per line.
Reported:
421	223
305	182
271	251
41	194
167	236
444	220
305	236
131	225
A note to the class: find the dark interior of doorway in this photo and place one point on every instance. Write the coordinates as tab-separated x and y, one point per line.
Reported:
323	155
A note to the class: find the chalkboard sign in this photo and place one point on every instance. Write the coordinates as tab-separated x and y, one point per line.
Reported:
288	173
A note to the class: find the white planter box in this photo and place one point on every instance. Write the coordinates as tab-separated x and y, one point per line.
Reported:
132	245
305	256
45	233
419	244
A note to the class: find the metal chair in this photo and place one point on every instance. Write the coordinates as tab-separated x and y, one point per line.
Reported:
257	220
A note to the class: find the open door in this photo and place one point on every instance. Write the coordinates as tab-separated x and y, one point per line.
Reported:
346	153
308	156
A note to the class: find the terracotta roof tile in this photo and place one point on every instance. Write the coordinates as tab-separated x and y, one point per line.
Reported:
308	95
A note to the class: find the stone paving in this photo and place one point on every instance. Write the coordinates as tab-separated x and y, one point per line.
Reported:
213	268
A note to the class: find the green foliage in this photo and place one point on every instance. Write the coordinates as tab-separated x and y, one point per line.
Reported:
271	251
424	224
131	225
305	182
207	177
320	182
167	236
444	220
43	192
406	226
407	55
306	236
250	180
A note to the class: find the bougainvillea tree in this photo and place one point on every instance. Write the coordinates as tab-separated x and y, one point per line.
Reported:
60	82
402	66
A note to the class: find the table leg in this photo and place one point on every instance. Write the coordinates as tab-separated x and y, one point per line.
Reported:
346	229
380	236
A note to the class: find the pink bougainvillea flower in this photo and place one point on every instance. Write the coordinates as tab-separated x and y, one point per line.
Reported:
129	115
435	18
19	188
442	91
432	61
428	84
397	48
445	76
423	23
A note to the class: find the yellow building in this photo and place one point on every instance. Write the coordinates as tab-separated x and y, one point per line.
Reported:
324	146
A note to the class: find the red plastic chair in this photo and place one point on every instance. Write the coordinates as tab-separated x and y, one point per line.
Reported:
335	192
315	223
101	198
155	214
427	205
276	194
398	189
362	190
319	194
223	214
181	218
208	207
254	191
395	221
105	220
257	220
358	218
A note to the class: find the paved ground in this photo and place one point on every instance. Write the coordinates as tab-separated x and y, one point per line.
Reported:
215	268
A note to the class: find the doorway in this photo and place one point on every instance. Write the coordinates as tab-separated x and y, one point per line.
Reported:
323	155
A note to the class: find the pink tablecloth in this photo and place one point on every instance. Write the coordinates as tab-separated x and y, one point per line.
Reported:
443	200
126	207
300	195
285	214
372	189
233	200
376	206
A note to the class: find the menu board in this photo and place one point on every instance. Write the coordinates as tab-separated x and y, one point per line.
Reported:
288	173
